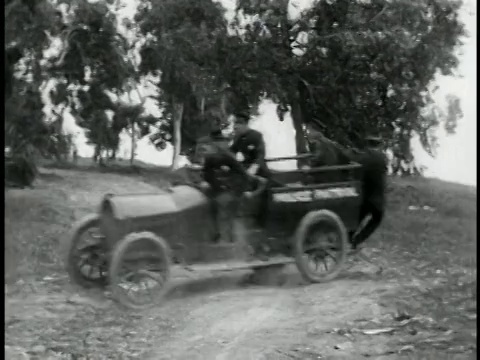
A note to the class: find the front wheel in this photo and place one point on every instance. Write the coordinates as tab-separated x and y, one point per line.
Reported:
86	260
140	270
320	246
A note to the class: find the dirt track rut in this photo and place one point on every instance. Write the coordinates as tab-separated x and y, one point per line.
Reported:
265	322
218	319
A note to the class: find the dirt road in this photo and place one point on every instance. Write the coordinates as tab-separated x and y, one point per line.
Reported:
270	322
209	318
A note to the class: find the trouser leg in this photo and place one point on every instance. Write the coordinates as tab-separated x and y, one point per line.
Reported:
225	215
215	210
263	208
376	216
363	213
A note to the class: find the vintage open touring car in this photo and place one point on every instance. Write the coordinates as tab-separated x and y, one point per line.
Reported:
134	240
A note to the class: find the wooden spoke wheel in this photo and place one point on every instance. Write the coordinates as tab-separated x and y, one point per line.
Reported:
139	270
86	260
320	246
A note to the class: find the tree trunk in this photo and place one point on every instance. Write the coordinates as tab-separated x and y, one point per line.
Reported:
177	133
61	153
133	143
101	161
132	135
300	141
96	154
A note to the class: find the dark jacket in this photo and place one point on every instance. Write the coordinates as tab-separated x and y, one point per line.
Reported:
224	173
374	163
251	145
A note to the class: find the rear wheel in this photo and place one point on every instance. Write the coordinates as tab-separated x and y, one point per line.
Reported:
320	246
86	260
140	270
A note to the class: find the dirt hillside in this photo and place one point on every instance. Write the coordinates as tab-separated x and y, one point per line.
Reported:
422	306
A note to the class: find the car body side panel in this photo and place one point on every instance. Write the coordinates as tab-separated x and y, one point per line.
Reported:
182	216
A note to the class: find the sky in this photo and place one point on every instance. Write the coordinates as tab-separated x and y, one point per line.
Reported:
456	159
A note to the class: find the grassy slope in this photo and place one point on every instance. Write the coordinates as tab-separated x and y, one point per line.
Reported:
433	253
38	219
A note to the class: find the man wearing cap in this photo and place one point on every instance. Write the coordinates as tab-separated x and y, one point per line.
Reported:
227	180
374	164
248	144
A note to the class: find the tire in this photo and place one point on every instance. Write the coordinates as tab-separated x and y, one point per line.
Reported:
99	251
311	219
120	252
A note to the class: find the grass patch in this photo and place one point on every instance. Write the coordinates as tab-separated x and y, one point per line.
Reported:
38	220
433	252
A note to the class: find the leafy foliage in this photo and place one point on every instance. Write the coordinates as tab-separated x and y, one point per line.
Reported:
95	50
454	113
362	67
346	68
12	56
93	68
184	39
125	115
24	126
28	24
28	27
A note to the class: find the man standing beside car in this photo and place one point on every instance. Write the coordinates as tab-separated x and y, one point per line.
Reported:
227	182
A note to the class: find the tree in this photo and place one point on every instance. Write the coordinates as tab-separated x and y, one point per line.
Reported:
182	42
349	68
95	86
131	117
93	68
29	26
454	113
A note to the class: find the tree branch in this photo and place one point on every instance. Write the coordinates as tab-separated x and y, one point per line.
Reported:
379	14
66	44
9	7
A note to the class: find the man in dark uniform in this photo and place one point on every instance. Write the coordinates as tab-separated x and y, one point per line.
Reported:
374	163
250	146
222	171
227	180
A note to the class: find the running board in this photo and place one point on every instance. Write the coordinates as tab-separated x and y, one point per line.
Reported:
240	265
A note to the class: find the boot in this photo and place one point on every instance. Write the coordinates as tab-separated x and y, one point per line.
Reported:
259	245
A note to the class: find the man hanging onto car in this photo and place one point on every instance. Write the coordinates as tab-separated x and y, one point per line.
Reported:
374	167
227	182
